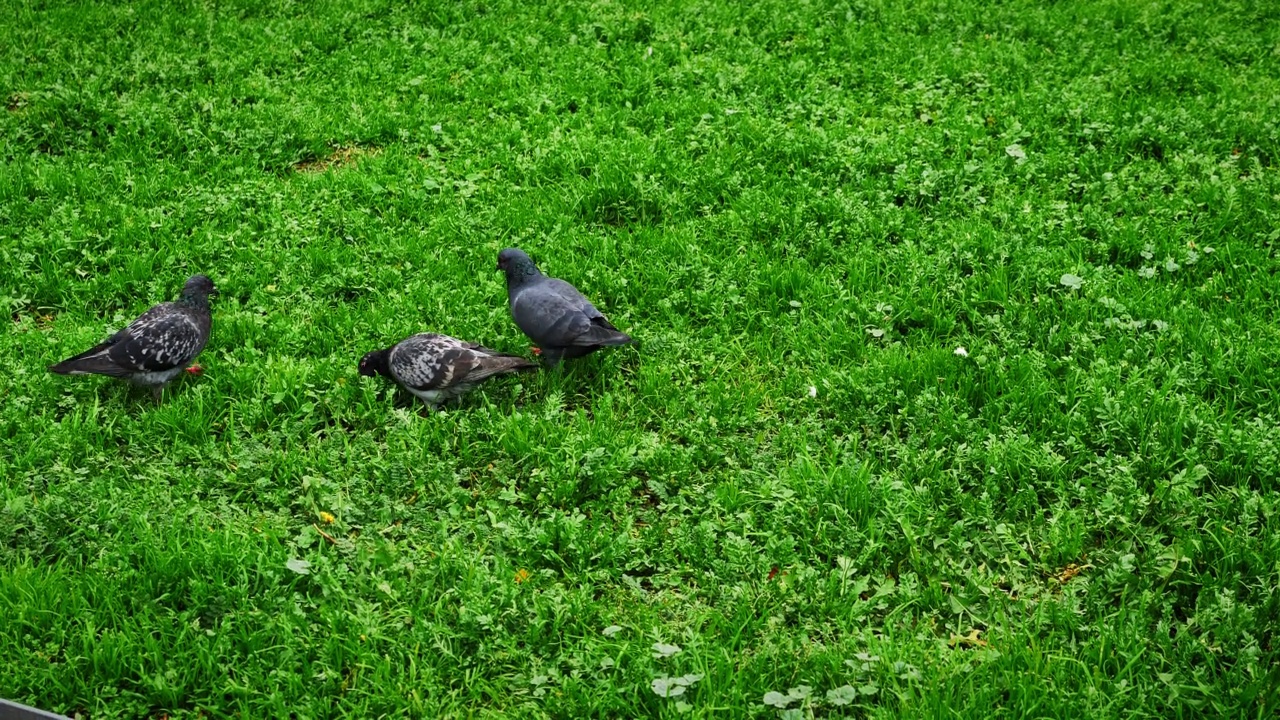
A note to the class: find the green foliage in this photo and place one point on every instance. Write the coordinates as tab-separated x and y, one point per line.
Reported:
955	392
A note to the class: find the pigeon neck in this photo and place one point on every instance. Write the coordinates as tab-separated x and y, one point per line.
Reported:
199	301
378	362
521	271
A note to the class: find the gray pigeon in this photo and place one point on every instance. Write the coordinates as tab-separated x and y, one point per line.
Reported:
439	368
155	348
555	316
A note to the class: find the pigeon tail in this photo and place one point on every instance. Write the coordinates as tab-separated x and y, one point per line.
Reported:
500	365
600	335
93	361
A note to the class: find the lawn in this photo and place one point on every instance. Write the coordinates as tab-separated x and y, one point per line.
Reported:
955	391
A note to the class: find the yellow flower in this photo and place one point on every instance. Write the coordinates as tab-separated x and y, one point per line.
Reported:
326	517
523	575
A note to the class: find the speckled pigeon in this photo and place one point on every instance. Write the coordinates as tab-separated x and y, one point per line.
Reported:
439	368
558	318
155	348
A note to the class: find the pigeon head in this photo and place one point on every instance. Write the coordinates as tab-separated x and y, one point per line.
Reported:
198	289
374	363
517	266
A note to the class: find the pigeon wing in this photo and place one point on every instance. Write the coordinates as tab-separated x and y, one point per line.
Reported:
431	362
163	338
571	296
555	314
552	313
477	347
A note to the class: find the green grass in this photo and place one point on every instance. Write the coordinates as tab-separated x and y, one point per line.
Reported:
1080	518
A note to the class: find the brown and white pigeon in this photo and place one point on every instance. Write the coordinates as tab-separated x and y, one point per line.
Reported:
439	368
155	348
555	316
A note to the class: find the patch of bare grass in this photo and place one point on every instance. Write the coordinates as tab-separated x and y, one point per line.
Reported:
341	157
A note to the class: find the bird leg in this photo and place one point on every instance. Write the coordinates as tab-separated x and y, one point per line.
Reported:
156	392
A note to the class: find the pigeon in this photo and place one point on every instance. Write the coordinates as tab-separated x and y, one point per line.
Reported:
155	348
558	318
439	368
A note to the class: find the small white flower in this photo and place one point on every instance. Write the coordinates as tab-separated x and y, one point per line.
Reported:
962	352
813	391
